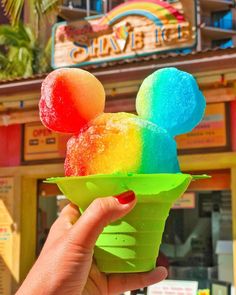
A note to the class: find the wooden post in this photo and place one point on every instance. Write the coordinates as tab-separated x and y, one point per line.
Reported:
28	225
233	200
16	233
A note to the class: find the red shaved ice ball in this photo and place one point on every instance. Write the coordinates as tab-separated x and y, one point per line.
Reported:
70	98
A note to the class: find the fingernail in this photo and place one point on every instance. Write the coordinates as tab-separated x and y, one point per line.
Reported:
126	197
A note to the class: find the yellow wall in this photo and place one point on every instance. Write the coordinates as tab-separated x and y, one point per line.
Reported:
25	210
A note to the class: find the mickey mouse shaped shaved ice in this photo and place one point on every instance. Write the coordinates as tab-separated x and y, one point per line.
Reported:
168	103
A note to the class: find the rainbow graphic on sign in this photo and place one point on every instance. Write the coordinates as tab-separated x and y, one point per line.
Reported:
158	11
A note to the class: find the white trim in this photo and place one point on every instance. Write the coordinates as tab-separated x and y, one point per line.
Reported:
20	83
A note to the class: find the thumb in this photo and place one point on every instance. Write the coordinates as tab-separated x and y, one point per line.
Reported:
99	214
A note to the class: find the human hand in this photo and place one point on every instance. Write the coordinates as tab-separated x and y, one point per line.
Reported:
66	266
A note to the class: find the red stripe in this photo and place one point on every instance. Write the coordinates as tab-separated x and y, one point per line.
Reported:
179	17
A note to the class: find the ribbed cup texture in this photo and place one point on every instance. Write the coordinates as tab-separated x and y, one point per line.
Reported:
132	243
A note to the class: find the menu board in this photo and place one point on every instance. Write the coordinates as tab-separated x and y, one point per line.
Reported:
6	237
211	132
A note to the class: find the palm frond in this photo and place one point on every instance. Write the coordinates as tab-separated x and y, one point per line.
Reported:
23	55
13	9
17	59
9	36
20	36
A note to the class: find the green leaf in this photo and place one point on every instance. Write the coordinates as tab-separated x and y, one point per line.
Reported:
16	36
20	45
3	61
23	54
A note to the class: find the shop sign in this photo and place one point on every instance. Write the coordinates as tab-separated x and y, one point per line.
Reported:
210	133
135	28
41	143
186	201
172	287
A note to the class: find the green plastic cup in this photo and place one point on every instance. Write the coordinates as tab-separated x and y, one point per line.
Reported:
132	243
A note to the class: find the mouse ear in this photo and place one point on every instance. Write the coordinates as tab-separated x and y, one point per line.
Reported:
70	98
171	99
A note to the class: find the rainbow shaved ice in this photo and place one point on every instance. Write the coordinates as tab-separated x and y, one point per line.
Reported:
109	153
168	103
120	143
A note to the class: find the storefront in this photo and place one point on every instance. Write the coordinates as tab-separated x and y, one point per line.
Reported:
202	224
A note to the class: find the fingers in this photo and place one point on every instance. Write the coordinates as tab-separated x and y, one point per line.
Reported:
119	283
70	213
68	216
99	214
64	222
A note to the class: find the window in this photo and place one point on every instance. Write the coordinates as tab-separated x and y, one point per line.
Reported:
222	43
113	3
222	19
95	5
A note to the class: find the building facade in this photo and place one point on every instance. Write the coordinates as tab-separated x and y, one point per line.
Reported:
200	236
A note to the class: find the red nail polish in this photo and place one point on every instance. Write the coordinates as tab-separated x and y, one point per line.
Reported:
126	197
